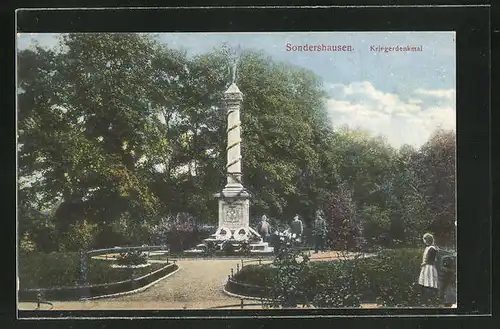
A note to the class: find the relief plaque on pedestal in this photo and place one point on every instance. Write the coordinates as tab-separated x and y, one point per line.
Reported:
234	214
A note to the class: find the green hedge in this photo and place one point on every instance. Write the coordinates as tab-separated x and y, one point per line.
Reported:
41	270
239	288
77	292
259	275
390	279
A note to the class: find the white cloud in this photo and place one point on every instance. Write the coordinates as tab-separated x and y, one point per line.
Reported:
408	119
449	93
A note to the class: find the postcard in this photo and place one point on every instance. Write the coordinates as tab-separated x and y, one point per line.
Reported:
209	171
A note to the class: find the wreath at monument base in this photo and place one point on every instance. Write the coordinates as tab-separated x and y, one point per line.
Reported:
223	234
241	234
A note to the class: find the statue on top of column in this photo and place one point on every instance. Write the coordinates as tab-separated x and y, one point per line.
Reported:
233	55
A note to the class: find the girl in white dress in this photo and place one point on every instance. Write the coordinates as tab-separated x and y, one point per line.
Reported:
428	278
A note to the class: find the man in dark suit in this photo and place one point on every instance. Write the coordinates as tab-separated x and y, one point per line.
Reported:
297	228
319	232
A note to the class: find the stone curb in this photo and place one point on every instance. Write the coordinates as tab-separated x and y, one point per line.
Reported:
141	289
230	294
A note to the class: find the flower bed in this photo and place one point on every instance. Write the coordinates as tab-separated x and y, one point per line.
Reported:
390	280
131	266
133	257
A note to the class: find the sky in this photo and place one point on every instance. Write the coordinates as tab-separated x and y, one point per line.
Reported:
401	95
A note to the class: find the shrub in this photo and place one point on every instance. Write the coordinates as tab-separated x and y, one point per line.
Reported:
390	279
228	248
339	283
40	270
182	232
259	275
132	258
286	288
245	248
395	280
179	241
210	248
335	293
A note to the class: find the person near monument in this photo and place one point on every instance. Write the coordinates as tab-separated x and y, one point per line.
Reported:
264	228
319	232
428	279
296	229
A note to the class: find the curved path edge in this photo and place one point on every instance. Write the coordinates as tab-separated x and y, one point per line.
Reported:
230	294
141	289
249	297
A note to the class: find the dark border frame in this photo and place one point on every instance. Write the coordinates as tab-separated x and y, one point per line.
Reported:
472	25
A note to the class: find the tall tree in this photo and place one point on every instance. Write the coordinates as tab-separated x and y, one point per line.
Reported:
84	123
284	120
436	169
343	223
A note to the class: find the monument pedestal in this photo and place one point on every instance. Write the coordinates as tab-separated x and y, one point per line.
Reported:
234	208
234	227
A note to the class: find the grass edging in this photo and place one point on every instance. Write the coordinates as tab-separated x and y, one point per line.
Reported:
141	289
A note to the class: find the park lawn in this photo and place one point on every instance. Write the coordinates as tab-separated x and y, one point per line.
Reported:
48	270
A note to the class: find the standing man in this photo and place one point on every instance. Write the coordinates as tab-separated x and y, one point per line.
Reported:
296	228
319	231
264	228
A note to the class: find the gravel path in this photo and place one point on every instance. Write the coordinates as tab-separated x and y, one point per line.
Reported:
197	285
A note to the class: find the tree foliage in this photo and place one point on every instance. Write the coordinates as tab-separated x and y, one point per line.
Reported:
122	133
342	220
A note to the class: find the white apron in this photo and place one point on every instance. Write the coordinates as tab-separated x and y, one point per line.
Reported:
428	273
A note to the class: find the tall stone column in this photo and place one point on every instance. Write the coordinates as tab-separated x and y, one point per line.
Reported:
234	204
233	98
